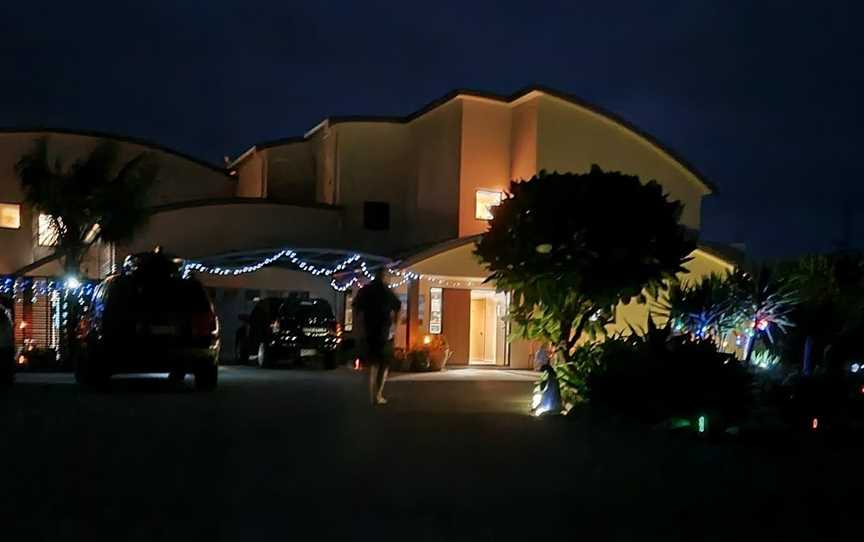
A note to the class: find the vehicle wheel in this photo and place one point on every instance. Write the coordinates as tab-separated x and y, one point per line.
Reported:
329	360
263	360
241	353
207	378
89	374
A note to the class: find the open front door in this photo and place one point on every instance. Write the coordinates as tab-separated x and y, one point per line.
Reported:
455	317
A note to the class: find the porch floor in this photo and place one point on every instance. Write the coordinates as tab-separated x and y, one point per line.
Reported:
466	373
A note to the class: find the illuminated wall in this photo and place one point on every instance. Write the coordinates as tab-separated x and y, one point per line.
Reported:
180	179
485	157
635	314
571	138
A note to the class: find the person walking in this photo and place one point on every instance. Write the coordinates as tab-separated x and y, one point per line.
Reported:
378	309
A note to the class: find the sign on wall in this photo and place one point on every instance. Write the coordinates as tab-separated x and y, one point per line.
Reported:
435	311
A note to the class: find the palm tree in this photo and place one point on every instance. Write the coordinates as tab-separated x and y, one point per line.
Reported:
766	303
705	308
95	198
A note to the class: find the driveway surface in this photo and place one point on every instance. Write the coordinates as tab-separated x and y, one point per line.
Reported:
300	455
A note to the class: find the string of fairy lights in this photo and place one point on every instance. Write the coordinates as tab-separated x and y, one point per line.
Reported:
18	287
353	266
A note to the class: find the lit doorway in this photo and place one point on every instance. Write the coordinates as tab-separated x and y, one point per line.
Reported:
487	328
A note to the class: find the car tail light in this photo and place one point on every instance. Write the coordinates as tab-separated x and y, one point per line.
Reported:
204	324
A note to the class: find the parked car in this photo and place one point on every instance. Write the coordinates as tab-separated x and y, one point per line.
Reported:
288	329
149	319
7	347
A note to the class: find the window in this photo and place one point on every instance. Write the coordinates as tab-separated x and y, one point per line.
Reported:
484	200
376	215
47	231
10	216
349	312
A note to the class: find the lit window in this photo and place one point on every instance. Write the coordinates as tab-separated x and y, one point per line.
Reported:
47	231
10	216
484	201
349	312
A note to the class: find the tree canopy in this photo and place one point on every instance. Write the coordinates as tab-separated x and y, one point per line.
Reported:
97	197
571	246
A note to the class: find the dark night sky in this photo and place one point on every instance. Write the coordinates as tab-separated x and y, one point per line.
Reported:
761	96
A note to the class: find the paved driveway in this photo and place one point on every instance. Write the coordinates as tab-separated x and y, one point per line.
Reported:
299	455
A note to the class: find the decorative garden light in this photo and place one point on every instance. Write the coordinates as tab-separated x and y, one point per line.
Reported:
535	400
702	424
549	401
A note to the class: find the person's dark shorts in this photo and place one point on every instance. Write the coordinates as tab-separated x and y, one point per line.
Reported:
379	353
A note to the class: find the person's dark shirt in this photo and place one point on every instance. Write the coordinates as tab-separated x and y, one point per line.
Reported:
376	303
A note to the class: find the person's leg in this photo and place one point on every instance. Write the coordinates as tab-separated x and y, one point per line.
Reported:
382	379
373	381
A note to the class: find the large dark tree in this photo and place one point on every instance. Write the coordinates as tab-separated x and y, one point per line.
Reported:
572	246
97	197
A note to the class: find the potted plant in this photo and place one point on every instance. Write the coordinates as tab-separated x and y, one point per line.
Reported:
439	351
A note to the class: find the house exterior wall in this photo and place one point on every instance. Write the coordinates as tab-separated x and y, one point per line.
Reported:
485	157
250	177
571	138
701	265
430	167
291	172
179	179
436	155
189	231
373	164
523	140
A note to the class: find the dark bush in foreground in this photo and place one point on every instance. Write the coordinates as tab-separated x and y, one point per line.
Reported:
659	375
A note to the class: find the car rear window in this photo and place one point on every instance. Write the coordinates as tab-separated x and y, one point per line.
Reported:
307	309
168	294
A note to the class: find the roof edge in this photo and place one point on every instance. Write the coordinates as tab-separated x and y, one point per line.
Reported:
116	137
467	92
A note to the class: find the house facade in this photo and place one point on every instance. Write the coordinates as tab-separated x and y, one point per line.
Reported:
411	192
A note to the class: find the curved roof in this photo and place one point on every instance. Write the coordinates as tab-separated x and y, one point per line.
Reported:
725	253
575	100
118	138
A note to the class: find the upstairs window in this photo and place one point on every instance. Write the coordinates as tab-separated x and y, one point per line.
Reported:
376	215
47	233
484	201
10	216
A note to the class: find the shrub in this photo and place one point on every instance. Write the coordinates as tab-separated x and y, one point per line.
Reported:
658	375
764	359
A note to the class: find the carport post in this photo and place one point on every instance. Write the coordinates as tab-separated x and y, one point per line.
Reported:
412	332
